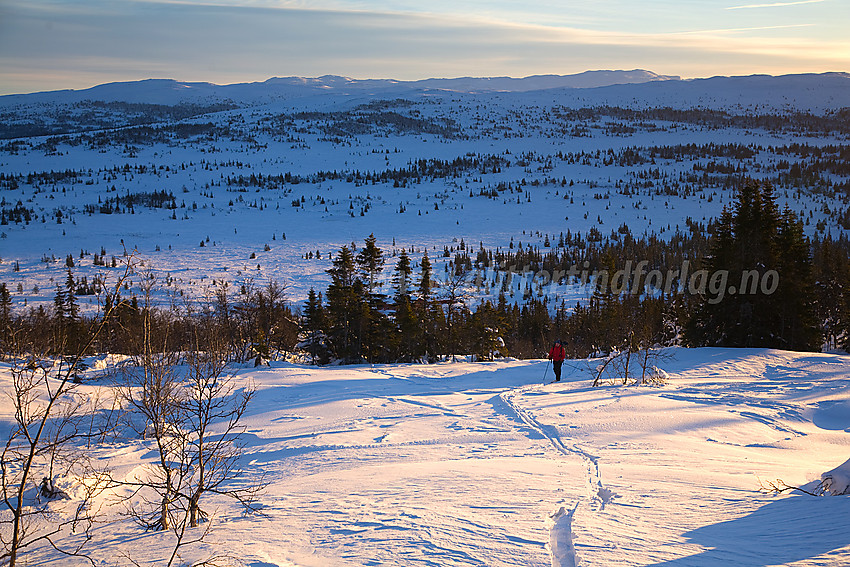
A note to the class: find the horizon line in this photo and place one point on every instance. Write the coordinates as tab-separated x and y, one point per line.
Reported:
661	78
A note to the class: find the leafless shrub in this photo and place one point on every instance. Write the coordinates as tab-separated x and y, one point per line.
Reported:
618	366
52	418
189	406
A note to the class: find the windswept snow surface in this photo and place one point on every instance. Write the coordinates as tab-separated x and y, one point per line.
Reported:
481	464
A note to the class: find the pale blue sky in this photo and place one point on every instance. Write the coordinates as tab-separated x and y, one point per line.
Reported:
55	44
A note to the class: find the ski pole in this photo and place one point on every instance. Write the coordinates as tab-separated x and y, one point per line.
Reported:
545	371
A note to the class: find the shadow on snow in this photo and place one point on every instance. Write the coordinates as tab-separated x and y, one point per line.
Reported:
782	531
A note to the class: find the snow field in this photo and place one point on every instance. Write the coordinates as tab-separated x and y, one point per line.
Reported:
481	464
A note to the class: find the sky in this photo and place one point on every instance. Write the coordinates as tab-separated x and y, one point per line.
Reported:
60	44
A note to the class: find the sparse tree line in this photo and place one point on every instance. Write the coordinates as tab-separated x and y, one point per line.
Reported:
818	171
98	115
367	119
417	314
151	199
804	122
132	136
415	172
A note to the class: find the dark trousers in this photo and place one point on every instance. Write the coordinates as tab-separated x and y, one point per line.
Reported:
556	366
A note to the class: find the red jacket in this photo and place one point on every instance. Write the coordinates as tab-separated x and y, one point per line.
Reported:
558	353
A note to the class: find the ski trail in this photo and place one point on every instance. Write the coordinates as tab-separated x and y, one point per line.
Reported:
561	545
596	491
561	538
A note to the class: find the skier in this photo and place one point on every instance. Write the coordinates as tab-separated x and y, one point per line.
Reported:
557	355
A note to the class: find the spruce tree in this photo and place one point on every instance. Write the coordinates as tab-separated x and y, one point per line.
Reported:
376	333
426	282
71	309
409	329
426	313
752	245
712	325
795	316
345	309
401	277
313	325
59	304
5	305
370	260
5	319
313	312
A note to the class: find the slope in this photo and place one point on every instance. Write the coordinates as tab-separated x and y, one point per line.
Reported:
478	464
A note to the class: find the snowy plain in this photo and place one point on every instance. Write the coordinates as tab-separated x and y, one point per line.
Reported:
551	172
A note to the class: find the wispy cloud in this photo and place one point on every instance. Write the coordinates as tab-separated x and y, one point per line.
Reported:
735	30
774	4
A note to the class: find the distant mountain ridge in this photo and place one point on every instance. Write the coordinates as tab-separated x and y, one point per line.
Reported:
170	91
809	92
821	92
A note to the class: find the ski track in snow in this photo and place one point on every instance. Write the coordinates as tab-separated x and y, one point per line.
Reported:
561	548
561	543
561	538
596	489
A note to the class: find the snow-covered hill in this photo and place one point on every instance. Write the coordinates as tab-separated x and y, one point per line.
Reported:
638	88
815	93
480	464
169	91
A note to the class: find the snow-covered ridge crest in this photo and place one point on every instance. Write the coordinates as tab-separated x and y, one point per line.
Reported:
816	93
170	91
